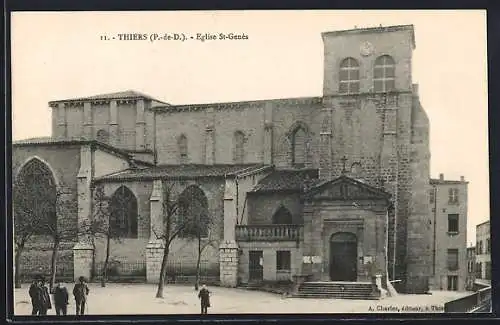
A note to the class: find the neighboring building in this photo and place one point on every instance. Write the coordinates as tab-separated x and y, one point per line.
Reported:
483	251
471	268
333	187
448	206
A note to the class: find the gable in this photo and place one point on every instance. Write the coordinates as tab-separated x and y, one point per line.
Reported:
345	188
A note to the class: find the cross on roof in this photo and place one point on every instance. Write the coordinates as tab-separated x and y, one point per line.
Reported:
344	160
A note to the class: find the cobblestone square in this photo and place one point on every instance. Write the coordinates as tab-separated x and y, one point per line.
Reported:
122	299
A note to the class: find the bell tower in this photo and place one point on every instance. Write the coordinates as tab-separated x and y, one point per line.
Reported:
368	118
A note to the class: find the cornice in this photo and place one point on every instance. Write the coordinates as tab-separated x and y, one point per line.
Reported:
239	105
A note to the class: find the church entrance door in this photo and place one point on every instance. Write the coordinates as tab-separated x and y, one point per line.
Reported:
343	257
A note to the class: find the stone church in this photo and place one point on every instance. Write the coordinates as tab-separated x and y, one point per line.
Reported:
331	188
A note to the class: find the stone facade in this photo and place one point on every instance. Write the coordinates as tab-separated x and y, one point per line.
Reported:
448	200
483	251
229	256
376	138
471	268
82	259
154	258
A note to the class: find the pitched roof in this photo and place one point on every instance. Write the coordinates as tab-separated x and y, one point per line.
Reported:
286	180
34	140
343	179
127	94
188	171
68	141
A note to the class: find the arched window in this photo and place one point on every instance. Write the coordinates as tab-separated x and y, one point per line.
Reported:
34	199
349	76
183	149
239	147
384	74
282	217
193	217
123	218
299	147
102	136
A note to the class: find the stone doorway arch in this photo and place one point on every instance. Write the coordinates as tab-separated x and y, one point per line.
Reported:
343	256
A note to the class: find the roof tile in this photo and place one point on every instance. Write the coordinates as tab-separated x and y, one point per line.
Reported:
287	180
127	94
182	171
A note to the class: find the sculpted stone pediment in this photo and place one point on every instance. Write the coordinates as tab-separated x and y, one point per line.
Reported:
345	188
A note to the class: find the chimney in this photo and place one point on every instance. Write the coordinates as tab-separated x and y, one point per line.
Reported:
441	177
462	178
415	89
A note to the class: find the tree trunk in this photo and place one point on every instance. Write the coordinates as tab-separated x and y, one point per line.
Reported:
106	261
163	271
17	262
53	270
197	281
92	268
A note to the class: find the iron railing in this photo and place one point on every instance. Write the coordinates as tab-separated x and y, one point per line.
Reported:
121	271
177	272
269	232
479	301
63	273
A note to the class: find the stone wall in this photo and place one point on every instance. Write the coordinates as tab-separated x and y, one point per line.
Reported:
322	220
127	122
398	44
262	207
64	161
183	251
269	250
142	192
229	256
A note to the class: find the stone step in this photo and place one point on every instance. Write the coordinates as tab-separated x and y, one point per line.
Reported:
336	290
319	296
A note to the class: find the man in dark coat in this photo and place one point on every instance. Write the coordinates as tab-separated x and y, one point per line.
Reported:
36	296
45	301
61	299
80	292
204	296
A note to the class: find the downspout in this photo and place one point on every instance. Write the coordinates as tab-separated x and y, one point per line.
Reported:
396	200
237	198
394	233
155	153
434	239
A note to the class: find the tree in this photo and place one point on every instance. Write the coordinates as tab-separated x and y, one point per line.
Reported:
37	205
28	215
63	229
202	244
174	226
99	226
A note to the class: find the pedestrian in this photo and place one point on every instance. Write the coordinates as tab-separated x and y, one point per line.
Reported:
80	292
61	299
45	301
204	296
36	296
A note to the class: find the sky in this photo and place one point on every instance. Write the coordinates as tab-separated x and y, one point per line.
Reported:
61	55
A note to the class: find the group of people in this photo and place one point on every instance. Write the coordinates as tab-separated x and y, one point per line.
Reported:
41	302
40	297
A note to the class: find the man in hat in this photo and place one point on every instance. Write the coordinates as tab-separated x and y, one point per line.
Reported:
204	296
45	303
35	295
80	292
61	298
